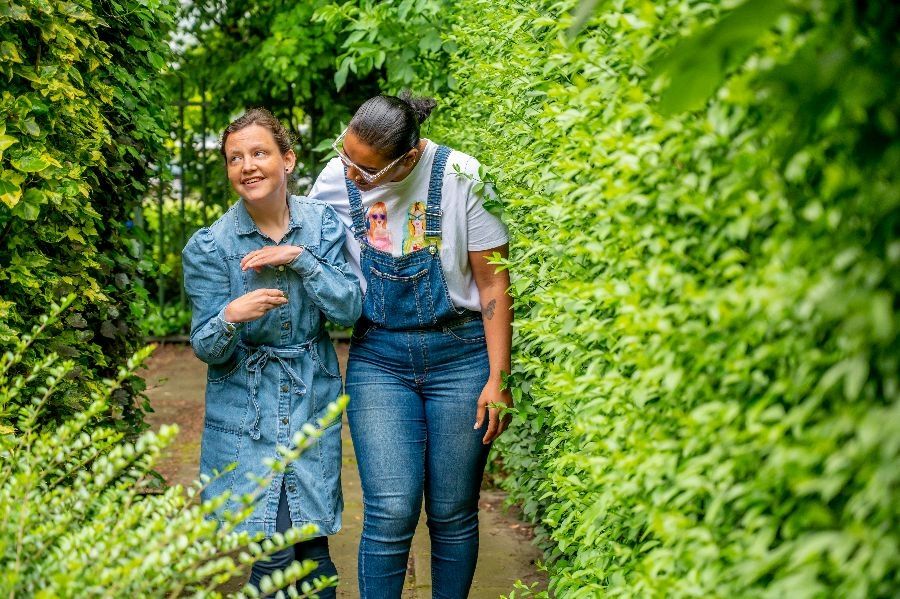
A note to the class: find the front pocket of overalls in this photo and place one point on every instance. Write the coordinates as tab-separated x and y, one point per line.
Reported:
471	331
410	301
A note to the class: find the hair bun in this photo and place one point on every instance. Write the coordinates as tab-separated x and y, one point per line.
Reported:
422	106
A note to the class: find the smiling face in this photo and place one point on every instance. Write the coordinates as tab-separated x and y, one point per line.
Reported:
257	169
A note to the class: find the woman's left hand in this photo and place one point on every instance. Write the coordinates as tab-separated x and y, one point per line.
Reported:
493	395
273	255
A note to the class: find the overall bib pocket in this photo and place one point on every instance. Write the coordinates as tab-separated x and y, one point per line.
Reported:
410	304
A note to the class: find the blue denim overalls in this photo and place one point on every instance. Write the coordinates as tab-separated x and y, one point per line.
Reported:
416	370
406	292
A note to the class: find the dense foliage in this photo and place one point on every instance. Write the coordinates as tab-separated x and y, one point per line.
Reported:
83	123
78	519
706	338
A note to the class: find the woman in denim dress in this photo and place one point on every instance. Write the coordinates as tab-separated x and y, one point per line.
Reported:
262	280
428	354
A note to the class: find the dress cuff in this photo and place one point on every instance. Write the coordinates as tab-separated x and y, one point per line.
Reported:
229	331
306	263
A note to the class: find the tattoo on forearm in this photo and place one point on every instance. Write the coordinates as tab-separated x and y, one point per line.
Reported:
489	309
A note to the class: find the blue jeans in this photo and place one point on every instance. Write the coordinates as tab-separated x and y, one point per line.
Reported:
413	401
315	549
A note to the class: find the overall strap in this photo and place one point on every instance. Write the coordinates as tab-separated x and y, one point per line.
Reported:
356	208
433	210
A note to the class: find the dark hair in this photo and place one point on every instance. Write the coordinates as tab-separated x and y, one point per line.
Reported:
263	118
390	124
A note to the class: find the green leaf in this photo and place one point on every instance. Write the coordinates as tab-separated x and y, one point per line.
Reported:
857	372
156	60
6	141
29	207
430	41
9	52
697	65
138	44
30	127
30	163
340	76
10	187
13	12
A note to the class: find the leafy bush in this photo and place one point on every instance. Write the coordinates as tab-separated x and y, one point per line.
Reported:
706	336
78	519
83	124
706	340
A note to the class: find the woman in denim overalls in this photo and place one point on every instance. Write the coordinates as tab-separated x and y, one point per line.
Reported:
427	356
262	280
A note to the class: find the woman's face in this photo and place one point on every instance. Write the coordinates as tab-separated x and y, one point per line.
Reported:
368	158
257	169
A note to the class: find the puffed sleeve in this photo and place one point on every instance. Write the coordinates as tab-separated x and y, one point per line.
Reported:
327	276
208	286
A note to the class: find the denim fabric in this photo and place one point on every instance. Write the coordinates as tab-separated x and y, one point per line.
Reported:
268	377
313	549
416	370
413	401
409	291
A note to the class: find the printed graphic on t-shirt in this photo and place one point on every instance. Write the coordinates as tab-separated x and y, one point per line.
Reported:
378	234
415	228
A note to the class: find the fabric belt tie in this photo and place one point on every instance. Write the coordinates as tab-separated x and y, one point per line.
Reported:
256	363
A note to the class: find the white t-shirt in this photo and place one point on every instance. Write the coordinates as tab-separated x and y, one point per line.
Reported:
395	218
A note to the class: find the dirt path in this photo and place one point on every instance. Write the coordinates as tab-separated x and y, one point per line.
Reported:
175	385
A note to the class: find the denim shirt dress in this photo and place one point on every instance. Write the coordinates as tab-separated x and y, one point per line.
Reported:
269	377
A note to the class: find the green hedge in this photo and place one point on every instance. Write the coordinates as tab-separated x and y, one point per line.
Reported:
706	337
83	123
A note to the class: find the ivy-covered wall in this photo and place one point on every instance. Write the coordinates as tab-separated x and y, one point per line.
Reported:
84	120
704	208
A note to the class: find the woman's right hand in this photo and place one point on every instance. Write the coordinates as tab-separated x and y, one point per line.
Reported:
253	305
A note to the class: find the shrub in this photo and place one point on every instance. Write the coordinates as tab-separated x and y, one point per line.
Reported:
79	520
82	128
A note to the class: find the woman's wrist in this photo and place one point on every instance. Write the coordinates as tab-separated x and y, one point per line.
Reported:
229	317
496	376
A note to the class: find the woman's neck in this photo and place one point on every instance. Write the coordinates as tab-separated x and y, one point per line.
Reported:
270	215
403	175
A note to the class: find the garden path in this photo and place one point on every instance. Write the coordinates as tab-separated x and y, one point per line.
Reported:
175	386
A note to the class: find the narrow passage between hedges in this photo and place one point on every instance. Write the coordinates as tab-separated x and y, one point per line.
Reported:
175	386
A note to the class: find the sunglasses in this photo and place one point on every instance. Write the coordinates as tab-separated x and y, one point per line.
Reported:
377	216
367	175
